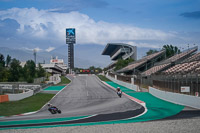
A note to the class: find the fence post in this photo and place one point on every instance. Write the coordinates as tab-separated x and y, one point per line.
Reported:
197	77
115	77
1	91
132	80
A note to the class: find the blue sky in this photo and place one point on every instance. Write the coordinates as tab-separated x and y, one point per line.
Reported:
145	23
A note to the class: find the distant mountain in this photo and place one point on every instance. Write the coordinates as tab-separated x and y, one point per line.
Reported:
85	55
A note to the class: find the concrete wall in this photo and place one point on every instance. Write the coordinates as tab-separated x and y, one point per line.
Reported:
187	100
21	86
128	85
182	99
20	96
55	79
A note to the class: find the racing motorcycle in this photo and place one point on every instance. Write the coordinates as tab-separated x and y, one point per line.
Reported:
54	110
119	93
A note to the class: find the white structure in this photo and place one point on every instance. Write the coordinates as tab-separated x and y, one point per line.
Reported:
55	79
120	51
53	68
58	62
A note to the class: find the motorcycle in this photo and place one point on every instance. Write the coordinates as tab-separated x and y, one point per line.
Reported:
54	110
119	93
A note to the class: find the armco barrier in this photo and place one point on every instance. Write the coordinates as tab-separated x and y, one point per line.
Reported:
128	85
3	98
20	96
187	100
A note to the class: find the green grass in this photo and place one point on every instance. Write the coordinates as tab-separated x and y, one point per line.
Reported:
64	80
29	104
103	78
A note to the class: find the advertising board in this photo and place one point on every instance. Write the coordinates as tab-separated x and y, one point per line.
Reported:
185	88
70	35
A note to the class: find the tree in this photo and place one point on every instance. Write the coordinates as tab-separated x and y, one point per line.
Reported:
4	74
151	51
171	50
2	60
122	63
92	68
30	71
8	60
41	72
15	69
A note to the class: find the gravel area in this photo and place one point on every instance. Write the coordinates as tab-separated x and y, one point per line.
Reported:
191	125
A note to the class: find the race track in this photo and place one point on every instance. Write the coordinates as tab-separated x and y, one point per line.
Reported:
84	96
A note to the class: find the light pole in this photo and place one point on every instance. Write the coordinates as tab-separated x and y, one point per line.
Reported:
34	54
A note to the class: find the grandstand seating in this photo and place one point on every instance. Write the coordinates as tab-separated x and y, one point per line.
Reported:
184	68
195	57
166	63
140	62
155	69
178	57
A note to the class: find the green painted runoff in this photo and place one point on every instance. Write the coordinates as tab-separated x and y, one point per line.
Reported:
54	88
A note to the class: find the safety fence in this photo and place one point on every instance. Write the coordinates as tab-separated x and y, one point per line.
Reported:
123	78
185	84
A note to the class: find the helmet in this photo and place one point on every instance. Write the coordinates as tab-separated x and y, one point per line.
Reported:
48	104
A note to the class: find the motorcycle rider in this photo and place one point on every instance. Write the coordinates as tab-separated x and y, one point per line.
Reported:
119	92
51	106
53	109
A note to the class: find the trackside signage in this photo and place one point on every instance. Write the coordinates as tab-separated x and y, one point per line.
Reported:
70	36
185	88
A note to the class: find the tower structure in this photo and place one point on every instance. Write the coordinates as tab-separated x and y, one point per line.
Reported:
34	54
70	40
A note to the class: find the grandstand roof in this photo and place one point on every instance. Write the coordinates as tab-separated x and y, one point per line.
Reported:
140	62
110	47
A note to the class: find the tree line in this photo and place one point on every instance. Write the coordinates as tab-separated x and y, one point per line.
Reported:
12	71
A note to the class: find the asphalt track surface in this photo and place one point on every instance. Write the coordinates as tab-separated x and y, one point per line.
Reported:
84	96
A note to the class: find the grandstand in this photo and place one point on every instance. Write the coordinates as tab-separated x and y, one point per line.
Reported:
172	74
119	51
184	68
142	64
163	65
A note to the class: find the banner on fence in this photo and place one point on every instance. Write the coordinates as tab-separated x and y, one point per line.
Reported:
185	88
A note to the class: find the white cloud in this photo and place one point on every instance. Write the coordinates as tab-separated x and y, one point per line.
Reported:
50	26
50	49
37	49
147	45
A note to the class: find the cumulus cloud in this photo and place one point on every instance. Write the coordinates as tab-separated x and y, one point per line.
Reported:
50	26
50	49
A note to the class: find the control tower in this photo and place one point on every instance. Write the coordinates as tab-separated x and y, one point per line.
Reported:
70	40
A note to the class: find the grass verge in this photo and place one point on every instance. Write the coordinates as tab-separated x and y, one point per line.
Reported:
103	78
29	104
64	80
